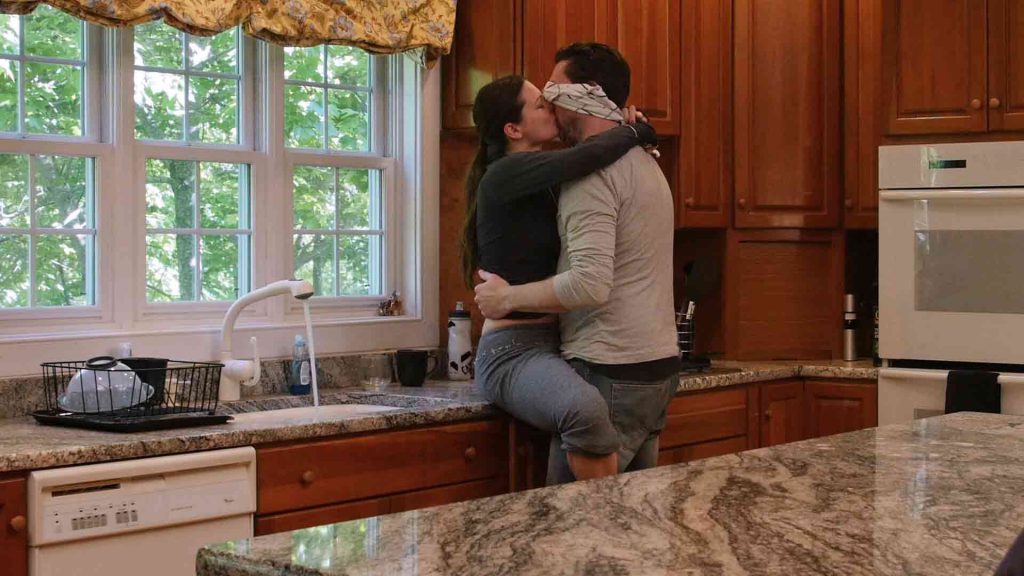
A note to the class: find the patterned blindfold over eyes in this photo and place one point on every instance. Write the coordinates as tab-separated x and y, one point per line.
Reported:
588	99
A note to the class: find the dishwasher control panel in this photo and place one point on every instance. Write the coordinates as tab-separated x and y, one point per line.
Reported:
104	499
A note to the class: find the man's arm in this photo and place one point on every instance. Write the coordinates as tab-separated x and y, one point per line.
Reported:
589	211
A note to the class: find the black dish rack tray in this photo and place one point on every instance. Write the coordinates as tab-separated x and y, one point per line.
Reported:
131	394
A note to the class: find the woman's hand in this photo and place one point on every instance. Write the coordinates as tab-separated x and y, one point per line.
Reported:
492	295
631	115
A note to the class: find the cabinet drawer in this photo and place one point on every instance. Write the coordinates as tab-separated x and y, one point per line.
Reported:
448	494
702	450
705	416
333	471
288	521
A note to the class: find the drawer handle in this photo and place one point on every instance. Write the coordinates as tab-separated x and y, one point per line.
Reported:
689	202
849	203
994	103
767	414
976	104
470	454
742	202
18	523
308	477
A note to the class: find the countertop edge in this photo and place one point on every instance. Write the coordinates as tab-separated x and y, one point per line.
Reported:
123	446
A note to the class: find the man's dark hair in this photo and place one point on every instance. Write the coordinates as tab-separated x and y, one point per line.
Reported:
595	63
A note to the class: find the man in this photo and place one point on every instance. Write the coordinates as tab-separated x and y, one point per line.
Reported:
615	273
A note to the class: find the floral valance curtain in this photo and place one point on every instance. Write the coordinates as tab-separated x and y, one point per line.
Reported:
380	26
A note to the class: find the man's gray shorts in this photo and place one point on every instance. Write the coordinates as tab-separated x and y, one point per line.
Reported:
638	410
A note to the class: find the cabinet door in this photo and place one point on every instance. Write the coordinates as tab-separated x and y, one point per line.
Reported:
1006	64
548	26
486	47
935	59
862	71
786	63
783	294
13	528
782	412
837	407
705	200
649	37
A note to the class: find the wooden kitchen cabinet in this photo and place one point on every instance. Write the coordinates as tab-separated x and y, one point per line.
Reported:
13	527
704	199
343	478
646	32
486	46
934	62
649	37
1006	64
549	26
709	423
861	121
786	99
783	294
837	407
782	412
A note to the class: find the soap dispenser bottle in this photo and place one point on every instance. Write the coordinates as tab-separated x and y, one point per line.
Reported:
299	378
460	347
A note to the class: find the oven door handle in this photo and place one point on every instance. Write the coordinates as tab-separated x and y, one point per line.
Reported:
954	194
937	375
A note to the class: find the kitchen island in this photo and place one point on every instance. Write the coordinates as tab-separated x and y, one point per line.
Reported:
938	496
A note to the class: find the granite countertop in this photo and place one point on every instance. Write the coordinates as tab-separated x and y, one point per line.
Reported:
25	445
938	496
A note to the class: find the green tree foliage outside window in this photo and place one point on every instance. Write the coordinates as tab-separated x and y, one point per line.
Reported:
327	98
42	62
338	239
46	241
197	230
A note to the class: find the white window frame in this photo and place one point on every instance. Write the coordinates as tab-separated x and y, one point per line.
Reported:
191	330
18	321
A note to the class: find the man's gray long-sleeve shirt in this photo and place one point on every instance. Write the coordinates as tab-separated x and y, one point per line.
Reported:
615	270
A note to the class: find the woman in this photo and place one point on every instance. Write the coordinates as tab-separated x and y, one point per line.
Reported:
511	230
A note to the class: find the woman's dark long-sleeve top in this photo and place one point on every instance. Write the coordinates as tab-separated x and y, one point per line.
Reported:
517	203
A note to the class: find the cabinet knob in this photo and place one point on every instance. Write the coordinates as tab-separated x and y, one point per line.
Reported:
470	454
18	523
689	202
767	414
976	104
742	202
849	203
308	477
994	103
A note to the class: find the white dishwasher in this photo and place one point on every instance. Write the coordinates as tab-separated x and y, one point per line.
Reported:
147	516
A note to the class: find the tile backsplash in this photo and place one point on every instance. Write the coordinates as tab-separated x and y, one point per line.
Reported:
22	395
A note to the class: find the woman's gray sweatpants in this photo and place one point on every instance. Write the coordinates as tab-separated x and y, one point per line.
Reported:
520	369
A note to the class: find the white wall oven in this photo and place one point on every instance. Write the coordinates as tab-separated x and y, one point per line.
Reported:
951	272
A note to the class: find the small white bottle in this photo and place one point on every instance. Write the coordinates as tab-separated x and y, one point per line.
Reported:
460	346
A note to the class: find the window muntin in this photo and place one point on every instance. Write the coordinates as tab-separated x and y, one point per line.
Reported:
47	231
187	88
338	238
328	95
198	230
42	73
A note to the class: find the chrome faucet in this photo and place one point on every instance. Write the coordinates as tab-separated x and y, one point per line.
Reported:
247	372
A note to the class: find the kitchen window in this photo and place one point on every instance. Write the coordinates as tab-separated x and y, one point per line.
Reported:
149	177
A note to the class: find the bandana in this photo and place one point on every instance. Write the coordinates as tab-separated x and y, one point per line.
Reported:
588	99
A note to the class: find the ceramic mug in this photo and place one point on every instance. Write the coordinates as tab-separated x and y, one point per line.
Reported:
412	366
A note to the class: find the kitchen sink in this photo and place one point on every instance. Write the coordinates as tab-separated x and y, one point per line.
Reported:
330	411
